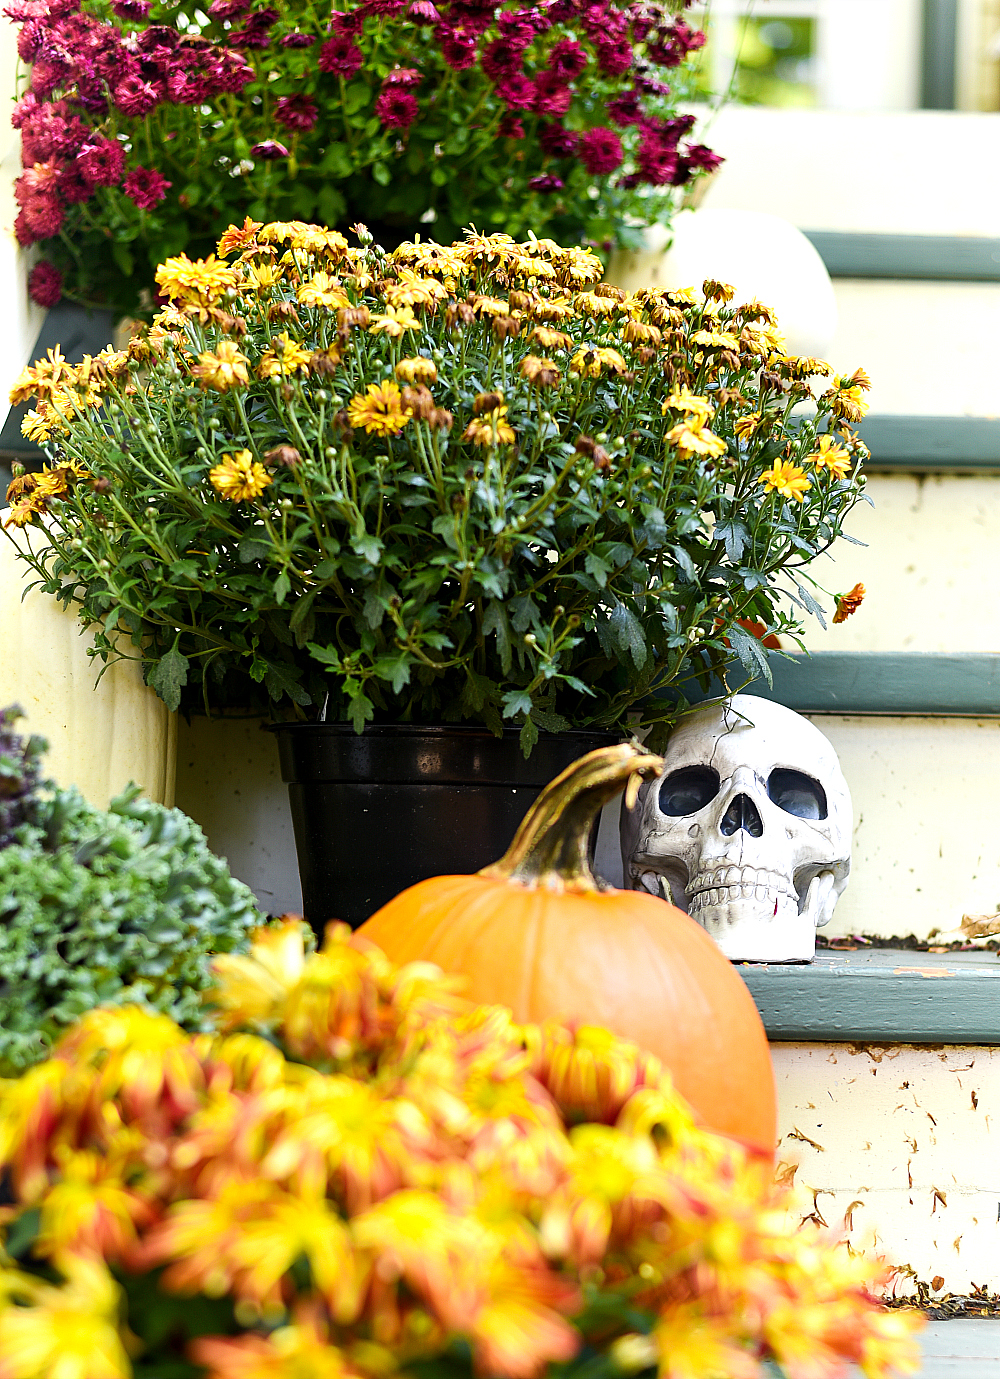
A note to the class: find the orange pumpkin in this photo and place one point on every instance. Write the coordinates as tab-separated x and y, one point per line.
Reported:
539	933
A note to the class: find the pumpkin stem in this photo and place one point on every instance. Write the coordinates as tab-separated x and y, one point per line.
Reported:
550	848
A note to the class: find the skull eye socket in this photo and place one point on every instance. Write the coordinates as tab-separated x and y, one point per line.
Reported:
796	793
688	790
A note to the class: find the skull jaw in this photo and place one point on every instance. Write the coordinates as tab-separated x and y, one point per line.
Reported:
748	931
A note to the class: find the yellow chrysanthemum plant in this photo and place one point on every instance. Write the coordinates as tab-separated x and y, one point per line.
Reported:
454	482
362	1175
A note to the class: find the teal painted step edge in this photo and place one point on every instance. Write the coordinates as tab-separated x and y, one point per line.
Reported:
948	258
914	443
953	684
891	996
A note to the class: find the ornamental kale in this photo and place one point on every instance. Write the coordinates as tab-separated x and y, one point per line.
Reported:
146	126
116	908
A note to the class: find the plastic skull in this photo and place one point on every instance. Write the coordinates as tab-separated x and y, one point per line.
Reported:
748	829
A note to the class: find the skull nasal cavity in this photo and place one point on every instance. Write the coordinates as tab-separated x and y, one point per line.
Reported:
742	813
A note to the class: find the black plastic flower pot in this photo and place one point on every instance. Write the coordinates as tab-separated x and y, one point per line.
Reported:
378	811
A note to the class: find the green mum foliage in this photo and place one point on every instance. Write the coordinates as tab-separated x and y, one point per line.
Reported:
108	908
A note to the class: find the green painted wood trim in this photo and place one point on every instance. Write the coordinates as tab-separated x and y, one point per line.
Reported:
920	444
880	996
947	258
938	53
957	684
951	685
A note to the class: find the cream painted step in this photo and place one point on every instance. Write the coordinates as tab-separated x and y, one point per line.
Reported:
897	1146
927	566
930	348
875	172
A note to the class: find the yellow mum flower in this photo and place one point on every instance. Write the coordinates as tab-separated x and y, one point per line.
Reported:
417	370
591	363
264	276
23	512
302	1351
490	429
380	411
693	439
715	340
284	357
238	237
846	401
787	479
414	290
746	427
225	369
393	321
692	404
239	476
198	280
593	305
831	456
64	1333
491	306
38	423
550	339
323	289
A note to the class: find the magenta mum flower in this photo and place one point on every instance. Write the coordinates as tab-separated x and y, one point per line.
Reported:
146	187
547	182
403	76
517	91
424	12
297	40
397	108
625	109
228	9
510	127
101	163
132	9
72	187
501	59
458	48
340	56
557	141
45	284
674	45
601	151
552	95
296	112
269	149
43	216
614	58
567	58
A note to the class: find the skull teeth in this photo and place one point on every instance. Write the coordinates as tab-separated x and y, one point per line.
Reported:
730	883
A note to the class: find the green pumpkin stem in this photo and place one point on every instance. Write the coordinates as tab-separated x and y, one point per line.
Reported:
550	848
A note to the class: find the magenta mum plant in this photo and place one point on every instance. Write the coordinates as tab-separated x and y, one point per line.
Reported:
147	126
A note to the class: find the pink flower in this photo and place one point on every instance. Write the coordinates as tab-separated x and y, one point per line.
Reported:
556	141
516	28
39	180
26	106
567	59
656	161
43	216
383	7
547	182
101	163
146	187
340	56
614	58
256	32
47	74
69	136
510	127
423	12
73	189
458	48
296	112
45	284
350	22
674	45
228	9
132	9
269	149
230	72
297	40
625	109
517	91
698	156
501	59
404	77
32	40
397	108
601	151
135	97
552	95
